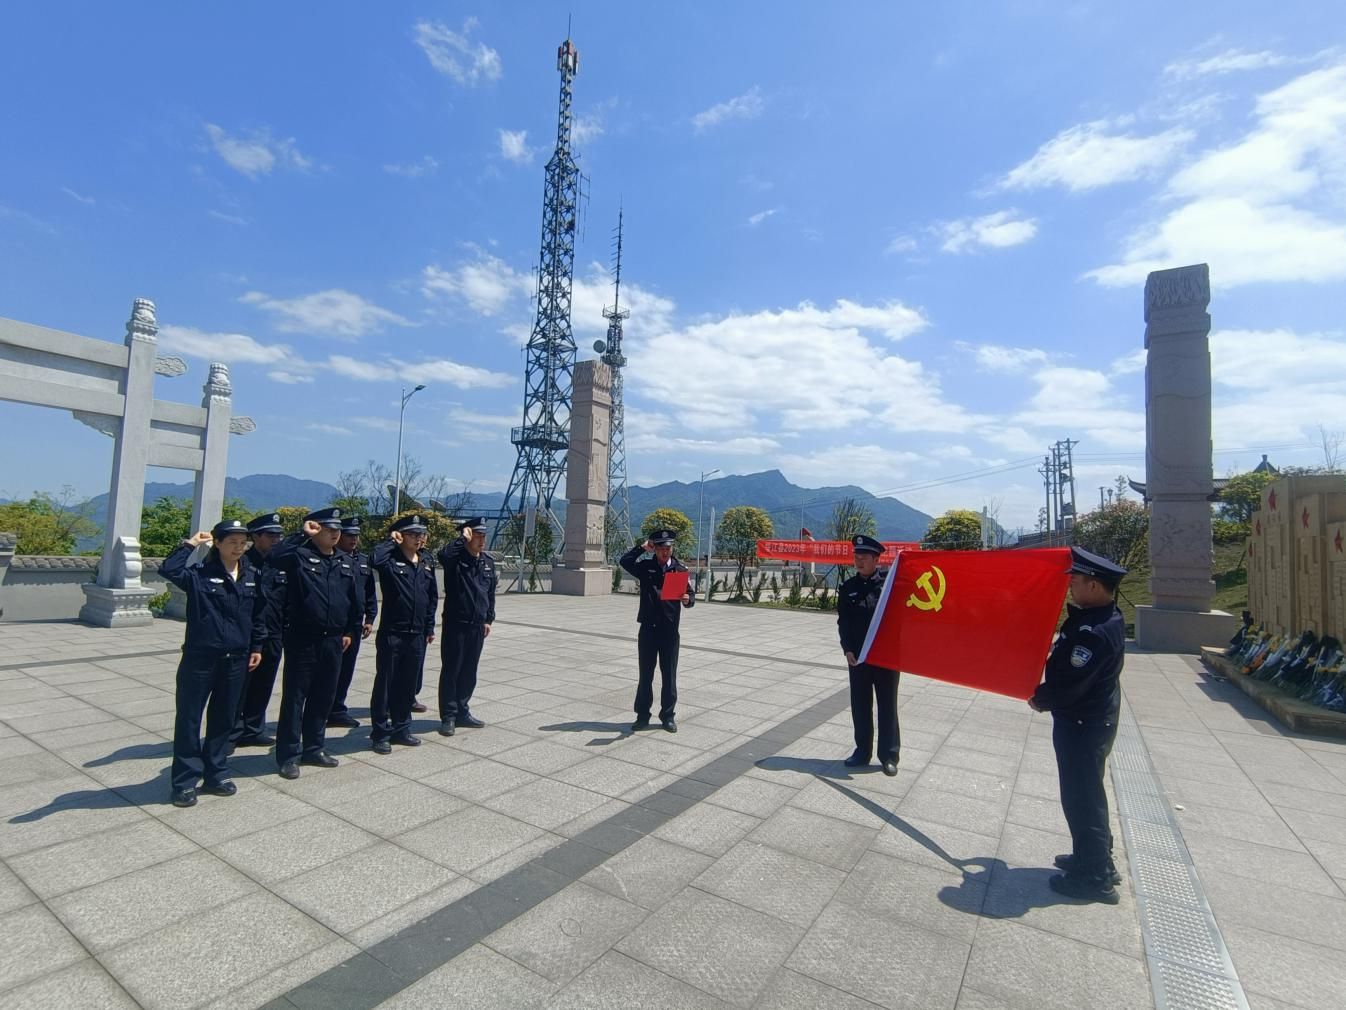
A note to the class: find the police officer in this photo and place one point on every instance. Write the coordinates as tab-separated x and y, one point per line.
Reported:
469	612
407	581
317	602
350	543
857	599
1082	690
658	637
216	654
265	532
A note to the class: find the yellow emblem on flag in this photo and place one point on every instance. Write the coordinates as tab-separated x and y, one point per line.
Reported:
934	598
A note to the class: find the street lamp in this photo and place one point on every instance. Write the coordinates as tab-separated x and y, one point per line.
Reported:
397	481
700	508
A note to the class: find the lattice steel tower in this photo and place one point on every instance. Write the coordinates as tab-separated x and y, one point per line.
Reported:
619	498
543	438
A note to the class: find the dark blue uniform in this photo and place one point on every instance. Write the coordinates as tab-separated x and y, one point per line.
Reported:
369	601
410	597
317	602
469	605
220	614
658	639
250	724
857	599
1082	690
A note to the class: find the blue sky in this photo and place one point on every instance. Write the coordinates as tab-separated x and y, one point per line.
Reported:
883	244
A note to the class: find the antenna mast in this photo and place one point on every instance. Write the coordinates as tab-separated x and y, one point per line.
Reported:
619	498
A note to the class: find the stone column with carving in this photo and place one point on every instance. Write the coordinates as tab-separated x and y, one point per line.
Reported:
1179	479
117	598
208	499
584	556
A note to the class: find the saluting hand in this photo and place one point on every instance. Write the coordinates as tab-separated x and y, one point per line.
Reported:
395	536
197	539
647	547
311	528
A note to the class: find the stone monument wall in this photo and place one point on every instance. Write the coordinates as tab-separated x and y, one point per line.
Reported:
1297	556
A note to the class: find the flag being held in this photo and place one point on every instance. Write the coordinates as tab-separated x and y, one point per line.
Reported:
983	619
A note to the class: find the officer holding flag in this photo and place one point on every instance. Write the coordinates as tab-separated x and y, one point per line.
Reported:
857	599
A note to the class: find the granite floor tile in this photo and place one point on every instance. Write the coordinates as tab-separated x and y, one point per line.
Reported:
468	838
1302	974
36	944
478	978
480	779
649	872
617	982
69	866
294	847
768	880
708	829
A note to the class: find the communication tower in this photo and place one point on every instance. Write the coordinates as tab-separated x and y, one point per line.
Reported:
610	351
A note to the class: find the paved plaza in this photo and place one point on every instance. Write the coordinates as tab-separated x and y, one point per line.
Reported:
554	860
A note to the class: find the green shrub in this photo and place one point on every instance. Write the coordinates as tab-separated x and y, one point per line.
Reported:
157	603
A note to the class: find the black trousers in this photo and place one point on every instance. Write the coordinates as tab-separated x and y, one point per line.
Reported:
657	643
344	678
398	661
1082	750
256	696
307	685
871	684
209	682
459	652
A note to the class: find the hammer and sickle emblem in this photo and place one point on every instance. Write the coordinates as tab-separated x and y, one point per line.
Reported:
934	598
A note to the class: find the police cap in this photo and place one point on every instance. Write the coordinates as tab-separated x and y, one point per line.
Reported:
226	526
328	517
477	524
409	524
663	538
866	545
351	525
1084	562
268	522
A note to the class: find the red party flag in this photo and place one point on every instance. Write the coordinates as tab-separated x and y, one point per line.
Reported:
983	619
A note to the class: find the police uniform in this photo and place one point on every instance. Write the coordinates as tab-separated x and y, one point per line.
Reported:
410	597
250	725
369	599
318	604
857	599
658	639
1082	690
469	608
214	662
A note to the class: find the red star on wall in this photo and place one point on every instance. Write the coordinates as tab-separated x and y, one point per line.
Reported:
1305	517
1337	542
1271	500
1258	527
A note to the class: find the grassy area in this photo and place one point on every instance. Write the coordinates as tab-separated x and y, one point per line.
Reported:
1231	585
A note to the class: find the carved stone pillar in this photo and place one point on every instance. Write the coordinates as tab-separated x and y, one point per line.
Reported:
585	572
1178	473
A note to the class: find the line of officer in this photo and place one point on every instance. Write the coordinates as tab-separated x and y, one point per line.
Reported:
658	639
407	581
217	651
265	531
364	579
320	610
469	612
1082	690
857	599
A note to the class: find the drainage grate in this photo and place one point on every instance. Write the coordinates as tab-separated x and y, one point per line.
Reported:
1190	968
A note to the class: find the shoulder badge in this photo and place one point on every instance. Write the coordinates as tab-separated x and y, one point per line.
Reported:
221	581
1079	656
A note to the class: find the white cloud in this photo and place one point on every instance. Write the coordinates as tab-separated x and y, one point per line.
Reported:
431	371
755	219
76	196
363	371
1230	61
514	146
592	292
257	154
455	56
1129	364
901	244
376	423
459	414
227	218
1092	155
333	313
487	284
991	231
327	429
1010	360
1251	371
585	129
748	105
233	348
414	170
1082	402
289	378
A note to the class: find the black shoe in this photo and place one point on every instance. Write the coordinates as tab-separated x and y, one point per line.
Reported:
1066	861
184	797
260	740
857	760
416	706
382	747
289	770
641	723
890	768
470	721
1085	888
670	726
406	740
225	788
322	759
343	721
446	728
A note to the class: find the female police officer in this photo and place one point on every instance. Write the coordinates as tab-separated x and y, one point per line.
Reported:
216	655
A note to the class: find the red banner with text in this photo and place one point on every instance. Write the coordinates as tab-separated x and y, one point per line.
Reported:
827	552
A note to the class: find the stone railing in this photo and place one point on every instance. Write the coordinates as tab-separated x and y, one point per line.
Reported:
37	587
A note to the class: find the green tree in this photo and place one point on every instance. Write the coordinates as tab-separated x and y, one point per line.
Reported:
292	517
439	530
1119	531
168	522
955	530
47	523
738	533
851	517
672	519
1242	496
540	545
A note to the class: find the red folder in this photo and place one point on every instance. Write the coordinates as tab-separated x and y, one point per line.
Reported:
675	586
